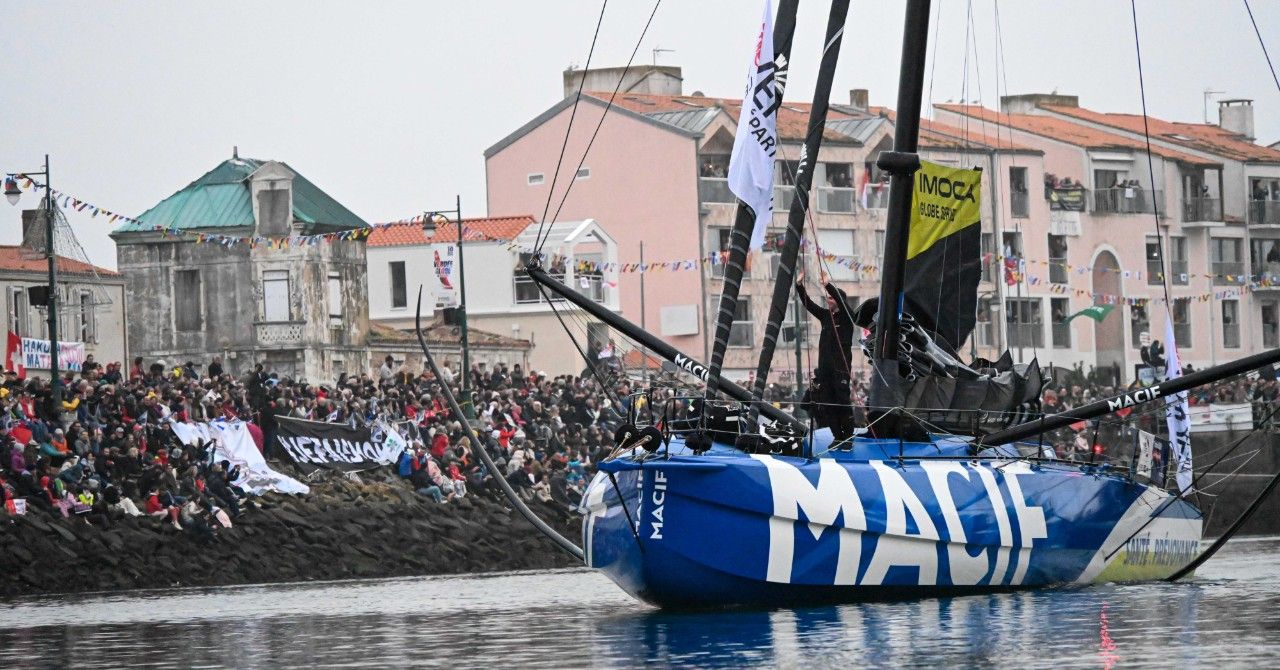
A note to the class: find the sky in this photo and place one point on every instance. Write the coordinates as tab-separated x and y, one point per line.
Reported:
388	106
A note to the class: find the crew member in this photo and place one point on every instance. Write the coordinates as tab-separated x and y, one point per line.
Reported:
831	391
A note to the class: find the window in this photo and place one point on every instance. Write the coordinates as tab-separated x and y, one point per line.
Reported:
1182	322
1265	257
1175	252
985	328
1226	259
743	328
1060	309
273	211
275	295
18	309
1019	198
1270	325
536	179
1025	322
583	173
399	289
1139	323
1058	259
840	243
335	297
88	324
187	313
1011	244
1231	324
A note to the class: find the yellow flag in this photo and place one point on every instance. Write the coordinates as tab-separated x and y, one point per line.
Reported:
945	201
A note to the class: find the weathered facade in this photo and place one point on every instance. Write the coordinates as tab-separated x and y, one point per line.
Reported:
300	309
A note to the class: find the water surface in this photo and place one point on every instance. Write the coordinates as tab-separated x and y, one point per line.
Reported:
1227	616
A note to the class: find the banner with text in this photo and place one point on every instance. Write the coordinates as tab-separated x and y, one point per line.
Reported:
35	354
335	446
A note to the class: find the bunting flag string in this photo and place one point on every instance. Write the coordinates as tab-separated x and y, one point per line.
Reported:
1014	268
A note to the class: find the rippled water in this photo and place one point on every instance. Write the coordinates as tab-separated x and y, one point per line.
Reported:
1227	616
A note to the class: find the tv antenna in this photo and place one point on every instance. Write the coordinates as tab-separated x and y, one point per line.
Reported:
660	50
1209	94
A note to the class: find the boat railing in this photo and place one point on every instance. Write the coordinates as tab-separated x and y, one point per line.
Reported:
1107	445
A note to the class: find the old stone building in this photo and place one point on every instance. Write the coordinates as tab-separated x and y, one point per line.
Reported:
300	309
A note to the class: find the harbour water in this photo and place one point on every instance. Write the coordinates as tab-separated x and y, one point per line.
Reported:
1227	616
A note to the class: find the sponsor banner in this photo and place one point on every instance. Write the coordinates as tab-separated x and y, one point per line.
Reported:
35	354
756	142
336	446
232	442
444	286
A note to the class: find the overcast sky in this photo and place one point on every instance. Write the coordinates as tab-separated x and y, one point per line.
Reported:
389	106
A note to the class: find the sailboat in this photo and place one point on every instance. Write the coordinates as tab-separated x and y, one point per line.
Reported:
925	503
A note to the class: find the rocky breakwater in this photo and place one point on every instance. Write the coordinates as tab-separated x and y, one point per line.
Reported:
341	530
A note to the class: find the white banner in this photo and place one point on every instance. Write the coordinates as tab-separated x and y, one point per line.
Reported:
232	442
1177	414
35	354
1146	445
444	285
751	166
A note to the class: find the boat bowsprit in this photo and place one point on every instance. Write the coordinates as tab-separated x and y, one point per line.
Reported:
882	520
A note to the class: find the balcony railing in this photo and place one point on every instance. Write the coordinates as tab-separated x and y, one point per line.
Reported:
1201	209
591	286
1267	276
1126	201
279	333
1062	335
1177	272
836	200
1026	335
1224	269
1264	212
715	189
1057	270
877	196
1020	204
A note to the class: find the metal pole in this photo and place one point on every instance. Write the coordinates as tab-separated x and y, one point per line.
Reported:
798	321
642	274
467	405
901	163
55	395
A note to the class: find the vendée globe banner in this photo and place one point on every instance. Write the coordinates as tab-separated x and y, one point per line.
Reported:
335	446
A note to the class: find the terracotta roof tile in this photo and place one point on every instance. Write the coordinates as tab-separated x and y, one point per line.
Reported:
934	135
1200	136
1071	132
793	117
12	260
502	229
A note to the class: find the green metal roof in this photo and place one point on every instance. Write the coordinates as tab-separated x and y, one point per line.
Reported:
220	199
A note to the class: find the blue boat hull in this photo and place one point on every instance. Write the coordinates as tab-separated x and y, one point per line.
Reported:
729	529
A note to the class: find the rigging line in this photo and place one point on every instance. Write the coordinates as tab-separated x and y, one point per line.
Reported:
933	66
605	387
1262	44
555	176
1146	134
607	108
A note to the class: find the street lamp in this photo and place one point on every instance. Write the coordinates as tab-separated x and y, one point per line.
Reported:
12	193
429	221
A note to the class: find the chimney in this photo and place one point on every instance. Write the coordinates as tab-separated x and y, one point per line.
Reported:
859	99
1237	117
1028	102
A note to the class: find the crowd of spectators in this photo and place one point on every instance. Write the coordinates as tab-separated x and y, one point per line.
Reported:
105	451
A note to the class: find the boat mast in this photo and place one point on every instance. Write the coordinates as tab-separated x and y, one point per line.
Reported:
800	203
784	29
901	164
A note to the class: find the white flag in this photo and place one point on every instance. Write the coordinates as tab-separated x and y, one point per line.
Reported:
751	167
1177	414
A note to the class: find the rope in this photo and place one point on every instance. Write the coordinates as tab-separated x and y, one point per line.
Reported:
1262	44
555	176
1146	134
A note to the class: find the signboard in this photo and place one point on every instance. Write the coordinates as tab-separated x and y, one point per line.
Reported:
444	272
1150	458
35	354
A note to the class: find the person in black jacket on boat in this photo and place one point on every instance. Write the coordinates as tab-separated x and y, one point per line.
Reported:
830	391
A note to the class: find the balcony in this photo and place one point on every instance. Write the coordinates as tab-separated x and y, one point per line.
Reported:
716	190
591	286
836	200
1062	336
1224	269
1267	276
1264	212
279	333
1058	271
1201	210
877	196
1020	204
1126	201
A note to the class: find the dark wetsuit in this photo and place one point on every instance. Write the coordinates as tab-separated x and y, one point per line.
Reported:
831	391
